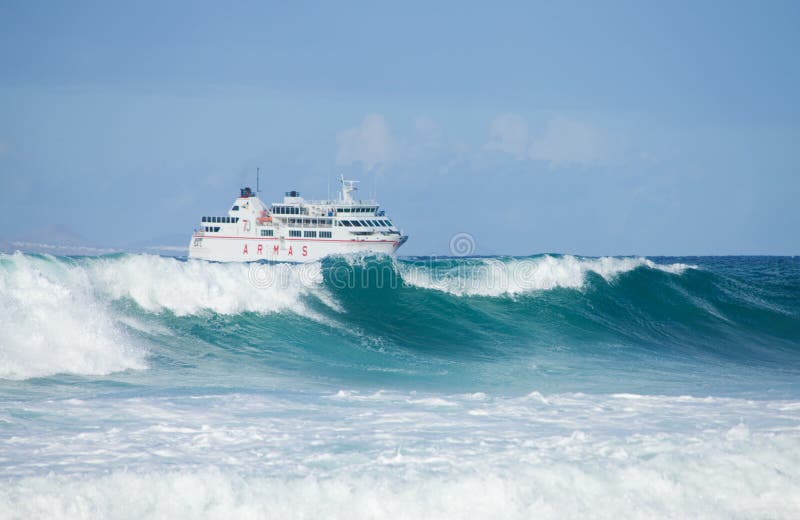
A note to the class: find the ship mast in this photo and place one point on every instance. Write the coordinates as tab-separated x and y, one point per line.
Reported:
348	187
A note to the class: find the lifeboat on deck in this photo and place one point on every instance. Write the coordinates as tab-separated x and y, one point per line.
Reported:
264	218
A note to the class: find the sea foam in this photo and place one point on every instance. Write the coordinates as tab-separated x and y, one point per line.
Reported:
52	323
58	314
397	456
159	284
513	276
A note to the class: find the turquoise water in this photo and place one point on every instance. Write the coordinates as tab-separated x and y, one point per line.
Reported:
548	386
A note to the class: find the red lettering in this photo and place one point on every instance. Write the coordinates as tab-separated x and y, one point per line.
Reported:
244	251
275	249
260	248
290	250
305	250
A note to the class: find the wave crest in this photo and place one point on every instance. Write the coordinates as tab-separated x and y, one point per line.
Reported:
188	287
494	277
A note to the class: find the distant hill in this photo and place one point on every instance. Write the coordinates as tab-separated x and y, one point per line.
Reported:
56	240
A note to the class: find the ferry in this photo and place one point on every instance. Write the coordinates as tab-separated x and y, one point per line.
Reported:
296	230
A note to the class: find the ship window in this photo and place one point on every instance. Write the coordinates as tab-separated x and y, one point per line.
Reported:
266	232
384	224
389	222
325	234
346	223
294	233
356	223
310	234
235	208
216	229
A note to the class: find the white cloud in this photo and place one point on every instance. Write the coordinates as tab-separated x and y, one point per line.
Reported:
371	143
509	133
568	141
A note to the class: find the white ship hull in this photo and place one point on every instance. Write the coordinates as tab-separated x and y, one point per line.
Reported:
297	250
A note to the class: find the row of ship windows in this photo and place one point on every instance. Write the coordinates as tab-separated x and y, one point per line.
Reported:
289	210
221	220
356	210
346	223
311	221
209	229
295	210
365	223
298	234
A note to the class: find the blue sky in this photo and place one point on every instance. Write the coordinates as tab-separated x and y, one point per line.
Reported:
621	128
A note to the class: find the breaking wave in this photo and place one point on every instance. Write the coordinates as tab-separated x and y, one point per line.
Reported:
96	315
514	276
52	322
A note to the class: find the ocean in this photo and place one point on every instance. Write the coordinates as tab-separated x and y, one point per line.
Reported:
550	386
